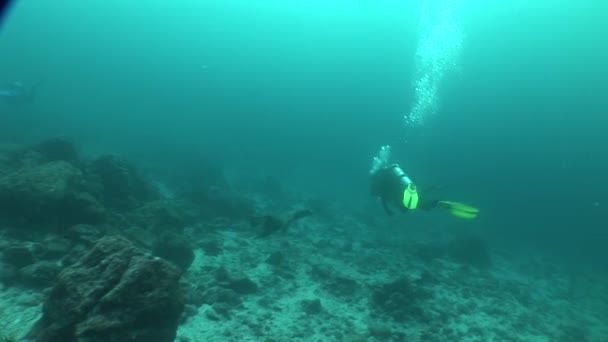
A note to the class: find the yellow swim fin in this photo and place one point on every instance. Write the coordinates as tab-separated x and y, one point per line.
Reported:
458	209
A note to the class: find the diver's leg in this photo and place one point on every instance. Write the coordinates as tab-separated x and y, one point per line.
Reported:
428	204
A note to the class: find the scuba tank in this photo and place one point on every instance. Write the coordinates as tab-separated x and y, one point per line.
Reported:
410	193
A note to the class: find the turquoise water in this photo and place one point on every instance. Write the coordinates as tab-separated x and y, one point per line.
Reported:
503	106
233	109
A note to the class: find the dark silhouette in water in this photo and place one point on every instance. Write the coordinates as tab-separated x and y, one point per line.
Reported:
392	185
271	224
18	93
4	7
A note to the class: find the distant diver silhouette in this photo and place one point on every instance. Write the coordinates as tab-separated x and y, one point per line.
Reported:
18	93
4	7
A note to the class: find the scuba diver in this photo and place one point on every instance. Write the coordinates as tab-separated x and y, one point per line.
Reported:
393	186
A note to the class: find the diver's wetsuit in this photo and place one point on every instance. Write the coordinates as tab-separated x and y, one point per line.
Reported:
389	183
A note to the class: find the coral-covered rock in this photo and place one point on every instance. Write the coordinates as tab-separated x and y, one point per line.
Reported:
49	193
85	208
118	184
38	186
175	248
113	293
40	274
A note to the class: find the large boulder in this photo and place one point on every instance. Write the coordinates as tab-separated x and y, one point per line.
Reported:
175	248
55	149
48	193
115	292
118	184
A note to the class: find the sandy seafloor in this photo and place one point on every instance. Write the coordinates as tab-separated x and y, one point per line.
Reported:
335	265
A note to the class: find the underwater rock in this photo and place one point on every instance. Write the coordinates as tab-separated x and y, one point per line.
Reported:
276	259
382	332
269	224
568	333
85	209
212	315
57	149
55	246
8	273
8	156
189	311
175	248
158	216
311	306
84	233
41	185
426	278
400	300
211	247
333	282
48	193
75	254
118	184
219	289
354	337
41	274
115	292
18	256
52	248
221	300
240	284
